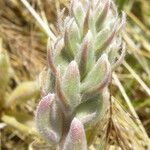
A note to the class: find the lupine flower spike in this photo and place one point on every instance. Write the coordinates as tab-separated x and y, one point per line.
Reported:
75	95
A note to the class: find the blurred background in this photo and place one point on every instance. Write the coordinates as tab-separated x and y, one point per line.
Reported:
23	57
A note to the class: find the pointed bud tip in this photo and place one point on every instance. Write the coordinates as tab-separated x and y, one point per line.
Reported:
73	64
51	137
76	121
77	130
89	34
45	103
123	18
76	138
104	56
107	4
48	42
73	68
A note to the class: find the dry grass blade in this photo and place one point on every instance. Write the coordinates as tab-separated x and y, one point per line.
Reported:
139	54
138	22
122	90
137	77
39	20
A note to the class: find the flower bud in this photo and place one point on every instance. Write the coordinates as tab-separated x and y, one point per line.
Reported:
71	85
86	55
102	15
78	12
98	77
45	82
71	38
76	139
50	57
119	24
49	120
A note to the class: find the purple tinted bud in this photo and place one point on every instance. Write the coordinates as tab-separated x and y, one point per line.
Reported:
76	139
